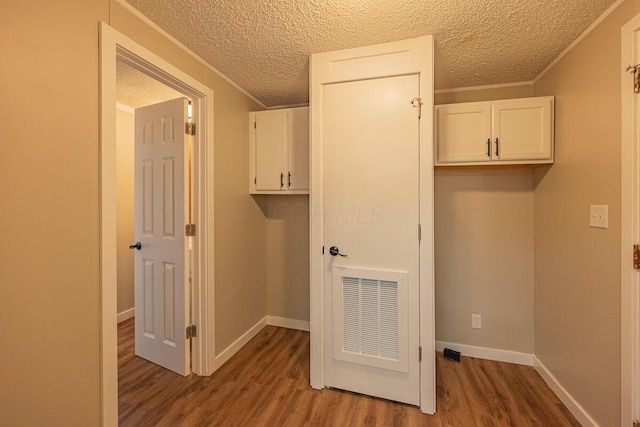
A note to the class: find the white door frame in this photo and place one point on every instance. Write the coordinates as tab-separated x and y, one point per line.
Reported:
413	56
630	228
115	45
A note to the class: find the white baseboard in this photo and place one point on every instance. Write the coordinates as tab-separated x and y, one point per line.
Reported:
488	353
228	352
282	322
572	405
127	314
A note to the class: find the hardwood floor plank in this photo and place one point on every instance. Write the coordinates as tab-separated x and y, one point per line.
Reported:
486	405
451	402
267	384
515	412
535	394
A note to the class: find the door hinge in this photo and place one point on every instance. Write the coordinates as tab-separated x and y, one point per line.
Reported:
635	69
417	103
255	125
255	180
419	232
190	128
636	257
190	230
191	331
420	354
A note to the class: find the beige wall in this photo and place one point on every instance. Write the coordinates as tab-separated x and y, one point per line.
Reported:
239	223
288	256
49	219
124	216
484	247
49	213
577	268
484	257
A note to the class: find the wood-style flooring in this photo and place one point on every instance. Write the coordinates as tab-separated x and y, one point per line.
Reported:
267	384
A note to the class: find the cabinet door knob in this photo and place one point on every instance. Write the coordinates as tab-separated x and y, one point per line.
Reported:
497	148
281	180
289	179
488	147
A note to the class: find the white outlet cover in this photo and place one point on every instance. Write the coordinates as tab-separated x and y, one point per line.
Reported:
599	216
476	321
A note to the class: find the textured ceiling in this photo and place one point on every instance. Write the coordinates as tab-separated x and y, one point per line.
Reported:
264	45
136	89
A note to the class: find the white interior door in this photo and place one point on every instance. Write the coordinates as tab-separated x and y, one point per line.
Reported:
631	184
371	214
630	225
161	293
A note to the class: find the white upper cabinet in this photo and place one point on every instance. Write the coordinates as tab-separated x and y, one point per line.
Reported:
269	144
298	150
463	132
279	151
513	131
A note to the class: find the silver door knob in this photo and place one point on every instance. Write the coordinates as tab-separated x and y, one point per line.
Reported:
333	250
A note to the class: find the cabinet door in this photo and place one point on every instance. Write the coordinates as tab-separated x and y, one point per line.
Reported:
298	150
523	128
463	132
270	142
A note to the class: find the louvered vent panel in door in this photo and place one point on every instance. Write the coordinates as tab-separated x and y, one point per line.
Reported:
370	317
351	314
389	320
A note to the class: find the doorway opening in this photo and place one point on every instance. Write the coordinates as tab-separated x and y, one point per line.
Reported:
114	48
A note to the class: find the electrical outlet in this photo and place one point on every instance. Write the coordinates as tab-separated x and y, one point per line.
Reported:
476	321
599	216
